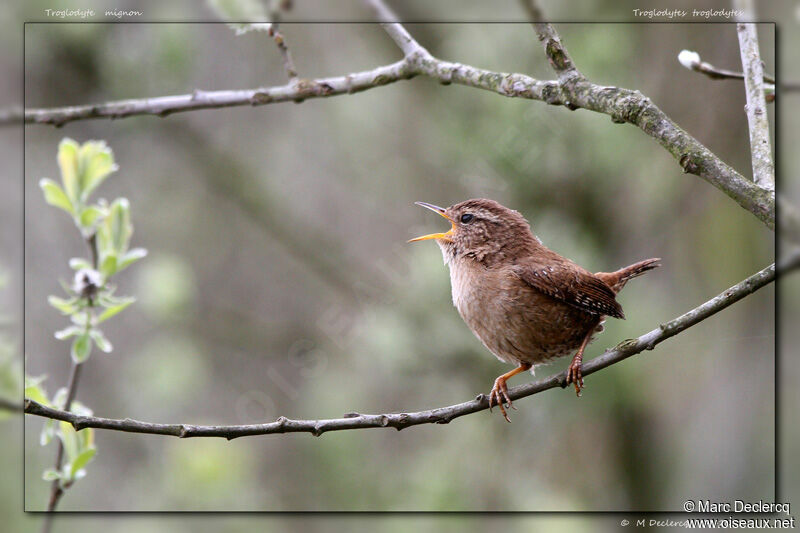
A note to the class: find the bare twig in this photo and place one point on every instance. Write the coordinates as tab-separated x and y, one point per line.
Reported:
167	105
441	415
692	61
274	10
556	53
572	91
288	64
756	108
390	23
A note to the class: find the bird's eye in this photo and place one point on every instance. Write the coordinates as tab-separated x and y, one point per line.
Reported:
466	218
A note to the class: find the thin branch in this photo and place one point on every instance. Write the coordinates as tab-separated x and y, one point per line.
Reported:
571	91
280	41
756	108
167	105
691	60
631	106
56	490
441	415
557	54
274	11
390	23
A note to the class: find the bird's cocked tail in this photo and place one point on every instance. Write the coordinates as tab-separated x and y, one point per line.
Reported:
617	280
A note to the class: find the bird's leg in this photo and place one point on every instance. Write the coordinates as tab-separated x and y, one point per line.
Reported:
499	391
574	371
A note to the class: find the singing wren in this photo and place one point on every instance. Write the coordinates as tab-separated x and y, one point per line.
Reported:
527	304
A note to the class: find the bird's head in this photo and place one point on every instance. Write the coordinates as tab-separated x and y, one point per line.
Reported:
481	229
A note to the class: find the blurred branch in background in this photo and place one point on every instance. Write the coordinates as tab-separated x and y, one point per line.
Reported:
225	174
10	406
756	108
441	415
571	91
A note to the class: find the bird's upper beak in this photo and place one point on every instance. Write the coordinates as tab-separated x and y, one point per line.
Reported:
440	210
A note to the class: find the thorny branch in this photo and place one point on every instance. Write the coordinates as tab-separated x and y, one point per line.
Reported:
441	415
571	90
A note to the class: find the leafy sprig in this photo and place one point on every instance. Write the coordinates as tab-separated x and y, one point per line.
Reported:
90	299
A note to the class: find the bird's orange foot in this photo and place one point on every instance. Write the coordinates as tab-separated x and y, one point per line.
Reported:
499	396
574	374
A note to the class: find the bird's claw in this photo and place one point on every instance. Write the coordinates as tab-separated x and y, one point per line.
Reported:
575	376
499	396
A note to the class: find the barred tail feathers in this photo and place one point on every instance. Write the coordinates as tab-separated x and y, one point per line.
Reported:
617	280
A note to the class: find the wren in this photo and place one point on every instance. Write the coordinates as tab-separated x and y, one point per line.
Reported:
527	304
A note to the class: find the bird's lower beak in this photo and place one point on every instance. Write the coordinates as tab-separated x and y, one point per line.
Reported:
441	211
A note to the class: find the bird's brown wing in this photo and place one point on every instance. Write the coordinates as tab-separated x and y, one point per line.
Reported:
571	284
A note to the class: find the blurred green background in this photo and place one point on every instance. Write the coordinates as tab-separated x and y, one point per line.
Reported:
279	281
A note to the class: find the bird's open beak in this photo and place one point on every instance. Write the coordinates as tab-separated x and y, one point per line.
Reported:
440	210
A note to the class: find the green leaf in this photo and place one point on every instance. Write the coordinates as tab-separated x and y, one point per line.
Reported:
66	307
130	258
100	340
112	310
96	162
81	460
77	263
34	390
119	219
51	475
69	331
69	437
109	265
89	216
81	348
68	163
55	196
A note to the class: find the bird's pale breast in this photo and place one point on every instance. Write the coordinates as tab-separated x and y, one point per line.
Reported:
517	323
